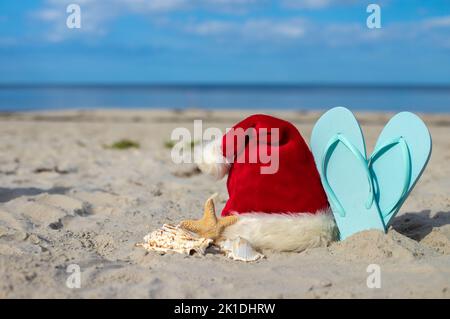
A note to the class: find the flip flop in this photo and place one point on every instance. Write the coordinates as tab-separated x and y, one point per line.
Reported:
400	155
339	151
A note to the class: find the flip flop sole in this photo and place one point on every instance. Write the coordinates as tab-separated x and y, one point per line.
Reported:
344	171
389	169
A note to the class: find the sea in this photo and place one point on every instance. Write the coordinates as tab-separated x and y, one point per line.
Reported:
415	98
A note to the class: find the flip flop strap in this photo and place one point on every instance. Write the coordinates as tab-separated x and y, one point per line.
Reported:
334	140
407	161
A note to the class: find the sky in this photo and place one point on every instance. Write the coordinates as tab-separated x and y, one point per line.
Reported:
225	41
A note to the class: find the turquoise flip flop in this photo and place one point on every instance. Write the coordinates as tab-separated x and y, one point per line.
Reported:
339	151
400	155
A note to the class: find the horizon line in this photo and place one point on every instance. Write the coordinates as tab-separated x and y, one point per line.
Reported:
225	85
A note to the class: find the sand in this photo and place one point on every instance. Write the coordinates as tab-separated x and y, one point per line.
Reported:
66	199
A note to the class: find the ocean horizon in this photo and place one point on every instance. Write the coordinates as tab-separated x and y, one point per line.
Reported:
364	97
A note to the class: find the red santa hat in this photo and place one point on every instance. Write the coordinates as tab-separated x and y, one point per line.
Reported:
273	185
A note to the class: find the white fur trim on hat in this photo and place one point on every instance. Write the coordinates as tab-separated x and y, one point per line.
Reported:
285	232
212	162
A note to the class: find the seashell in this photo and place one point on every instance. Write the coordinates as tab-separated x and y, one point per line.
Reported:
239	249
172	238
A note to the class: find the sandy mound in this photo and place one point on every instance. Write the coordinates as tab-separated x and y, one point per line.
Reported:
439	240
375	246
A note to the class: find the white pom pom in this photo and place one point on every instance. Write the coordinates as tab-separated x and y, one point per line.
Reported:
211	161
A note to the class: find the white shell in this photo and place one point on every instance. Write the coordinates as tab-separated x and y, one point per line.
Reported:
239	249
172	238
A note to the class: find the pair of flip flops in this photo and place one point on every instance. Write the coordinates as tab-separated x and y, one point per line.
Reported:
366	193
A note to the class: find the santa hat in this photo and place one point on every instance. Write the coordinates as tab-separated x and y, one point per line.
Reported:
273	185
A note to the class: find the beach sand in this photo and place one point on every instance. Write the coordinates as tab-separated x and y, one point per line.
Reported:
67	199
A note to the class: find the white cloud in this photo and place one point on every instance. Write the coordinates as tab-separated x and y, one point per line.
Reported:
263	28
98	16
315	4
307	4
255	29
437	22
49	15
435	30
152	6
209	27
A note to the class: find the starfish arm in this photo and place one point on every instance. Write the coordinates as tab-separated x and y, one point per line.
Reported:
191	225
209	213
227	221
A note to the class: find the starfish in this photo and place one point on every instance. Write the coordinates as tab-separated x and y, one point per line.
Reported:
209	226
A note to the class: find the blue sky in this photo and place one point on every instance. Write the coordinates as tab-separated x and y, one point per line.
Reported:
210	41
